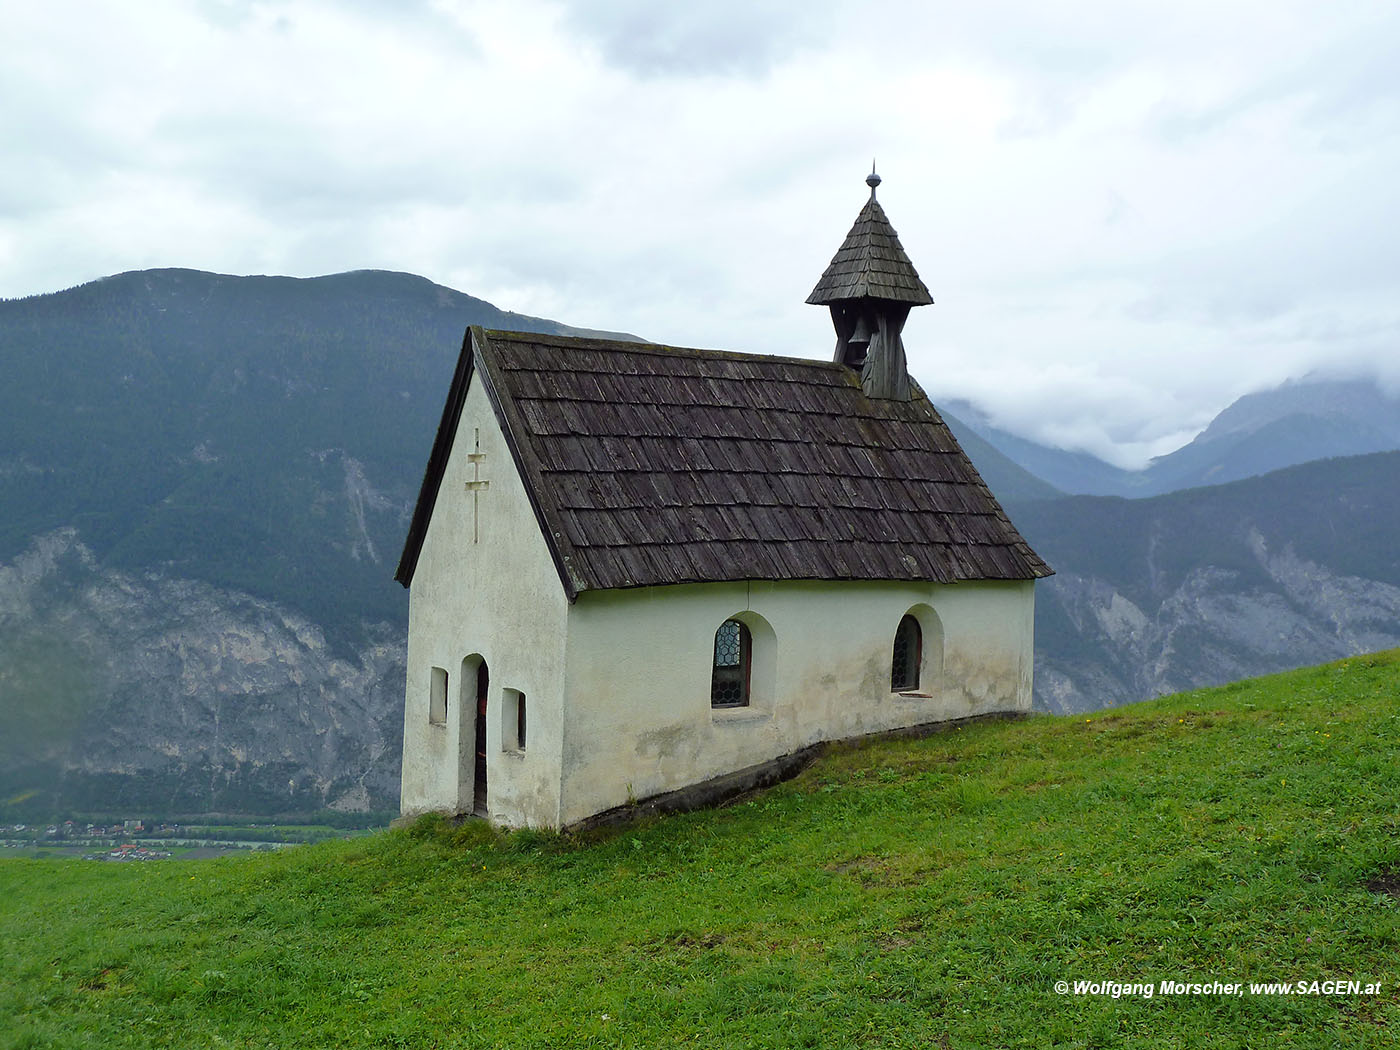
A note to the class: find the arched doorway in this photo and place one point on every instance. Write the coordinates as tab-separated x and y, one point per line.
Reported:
479	765
472	690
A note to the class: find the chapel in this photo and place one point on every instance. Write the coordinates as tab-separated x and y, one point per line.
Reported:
639	571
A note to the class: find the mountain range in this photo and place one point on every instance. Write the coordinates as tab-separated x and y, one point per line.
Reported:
205	481
1302	420
1209	585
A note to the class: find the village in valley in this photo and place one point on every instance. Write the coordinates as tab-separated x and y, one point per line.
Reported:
146	839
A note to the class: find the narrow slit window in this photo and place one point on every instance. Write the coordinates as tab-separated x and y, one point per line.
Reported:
437	697
729	683
513	721
908	654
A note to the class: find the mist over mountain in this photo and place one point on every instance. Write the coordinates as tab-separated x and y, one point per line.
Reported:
1297	422
1064	471
1302	420
1004	475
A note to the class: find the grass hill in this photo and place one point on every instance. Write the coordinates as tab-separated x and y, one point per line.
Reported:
921	893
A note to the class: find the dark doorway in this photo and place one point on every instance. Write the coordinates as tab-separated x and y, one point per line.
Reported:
479	793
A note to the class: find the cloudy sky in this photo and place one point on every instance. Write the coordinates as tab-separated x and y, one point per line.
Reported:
1128	213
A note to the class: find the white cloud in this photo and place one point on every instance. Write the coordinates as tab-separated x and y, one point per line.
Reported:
1128	214
718	38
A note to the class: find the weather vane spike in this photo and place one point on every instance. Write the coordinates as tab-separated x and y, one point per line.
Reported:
872	180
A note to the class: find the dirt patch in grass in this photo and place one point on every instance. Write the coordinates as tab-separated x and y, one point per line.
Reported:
1386	882
868	871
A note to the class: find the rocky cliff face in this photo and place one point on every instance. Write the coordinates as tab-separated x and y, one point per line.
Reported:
130	691
1156	596
1209	629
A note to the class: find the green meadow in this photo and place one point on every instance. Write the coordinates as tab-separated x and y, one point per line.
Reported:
926	893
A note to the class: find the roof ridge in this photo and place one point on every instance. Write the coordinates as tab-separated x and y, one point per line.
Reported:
651	349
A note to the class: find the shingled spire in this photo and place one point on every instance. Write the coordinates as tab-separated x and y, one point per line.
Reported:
871	286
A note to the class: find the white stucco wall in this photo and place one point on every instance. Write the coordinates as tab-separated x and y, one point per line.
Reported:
498	598
638	719
617	685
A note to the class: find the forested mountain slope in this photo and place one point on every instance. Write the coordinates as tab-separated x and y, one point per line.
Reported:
1213	584
205	481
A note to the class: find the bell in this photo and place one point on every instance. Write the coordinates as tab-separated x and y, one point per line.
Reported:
862	330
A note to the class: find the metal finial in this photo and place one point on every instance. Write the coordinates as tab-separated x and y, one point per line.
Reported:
872	180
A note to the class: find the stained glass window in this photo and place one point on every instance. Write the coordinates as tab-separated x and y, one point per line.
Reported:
908	654
728	649
729	684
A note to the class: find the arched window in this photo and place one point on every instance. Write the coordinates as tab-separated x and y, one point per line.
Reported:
729	684
908	654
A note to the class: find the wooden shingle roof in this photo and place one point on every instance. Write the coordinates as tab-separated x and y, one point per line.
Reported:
871	263
652	465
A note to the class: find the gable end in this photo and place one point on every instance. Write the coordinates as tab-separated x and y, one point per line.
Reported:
437	462
473	360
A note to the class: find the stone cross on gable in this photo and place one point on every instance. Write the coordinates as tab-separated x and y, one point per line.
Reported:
476	457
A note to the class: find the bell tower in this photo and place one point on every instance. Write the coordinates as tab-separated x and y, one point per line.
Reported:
870	287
